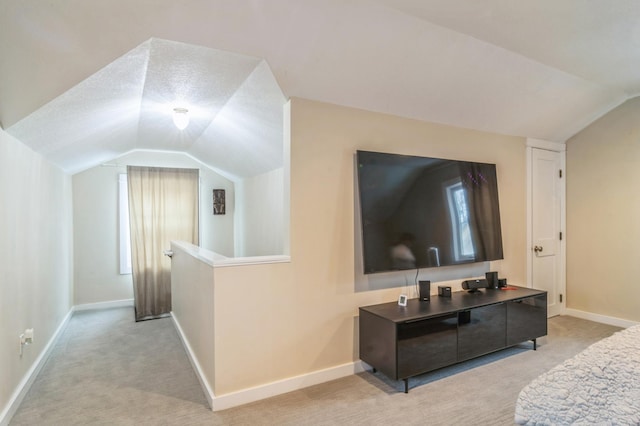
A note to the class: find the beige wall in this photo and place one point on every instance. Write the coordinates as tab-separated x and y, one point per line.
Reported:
279	321
35	257
603	215
95	199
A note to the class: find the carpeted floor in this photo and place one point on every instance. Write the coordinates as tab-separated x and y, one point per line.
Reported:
107	369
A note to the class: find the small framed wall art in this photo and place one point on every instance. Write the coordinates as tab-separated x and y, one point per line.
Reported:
219	202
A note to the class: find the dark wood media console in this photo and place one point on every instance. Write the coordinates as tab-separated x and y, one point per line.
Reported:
405	341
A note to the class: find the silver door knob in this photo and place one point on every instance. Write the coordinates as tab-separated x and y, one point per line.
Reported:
537	249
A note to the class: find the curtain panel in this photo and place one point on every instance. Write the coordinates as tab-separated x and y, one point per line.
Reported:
163	206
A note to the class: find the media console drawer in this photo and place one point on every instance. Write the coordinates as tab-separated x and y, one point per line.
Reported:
405	341
481	330
427	344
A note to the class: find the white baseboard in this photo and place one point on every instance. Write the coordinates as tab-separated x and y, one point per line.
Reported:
104	305
268	390
28	379
604	319
245	396
208	391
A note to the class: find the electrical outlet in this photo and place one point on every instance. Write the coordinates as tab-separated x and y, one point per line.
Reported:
28	336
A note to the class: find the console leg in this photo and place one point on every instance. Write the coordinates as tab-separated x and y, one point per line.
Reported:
406	385
535	345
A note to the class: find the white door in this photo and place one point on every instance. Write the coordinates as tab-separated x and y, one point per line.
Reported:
546	259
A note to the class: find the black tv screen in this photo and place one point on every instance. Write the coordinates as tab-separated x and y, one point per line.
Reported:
421	212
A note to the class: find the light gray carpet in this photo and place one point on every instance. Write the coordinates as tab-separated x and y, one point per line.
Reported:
107	369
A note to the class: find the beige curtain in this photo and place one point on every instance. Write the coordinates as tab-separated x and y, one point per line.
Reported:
163	206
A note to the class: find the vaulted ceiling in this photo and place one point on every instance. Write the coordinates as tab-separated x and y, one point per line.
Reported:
233	102
83	82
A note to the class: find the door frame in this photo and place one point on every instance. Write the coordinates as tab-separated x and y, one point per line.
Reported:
560	148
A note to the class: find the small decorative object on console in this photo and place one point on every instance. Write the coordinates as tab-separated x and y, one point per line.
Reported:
474	285
425	290
402	300
444	291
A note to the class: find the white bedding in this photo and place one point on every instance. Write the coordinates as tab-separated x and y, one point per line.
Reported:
600	385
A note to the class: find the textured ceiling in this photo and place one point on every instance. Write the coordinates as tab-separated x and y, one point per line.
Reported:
234	103
535	68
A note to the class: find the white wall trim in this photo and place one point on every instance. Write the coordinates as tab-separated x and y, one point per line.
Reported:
104	305
548	145
604	319
24	386
560	148
255	260
206	387
279	387
219	261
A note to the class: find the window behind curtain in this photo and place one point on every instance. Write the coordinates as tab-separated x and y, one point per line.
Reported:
123	225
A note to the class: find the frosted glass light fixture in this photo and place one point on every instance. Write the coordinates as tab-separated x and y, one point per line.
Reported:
181	118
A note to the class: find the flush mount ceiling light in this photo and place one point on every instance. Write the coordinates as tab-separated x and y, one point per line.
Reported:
181	118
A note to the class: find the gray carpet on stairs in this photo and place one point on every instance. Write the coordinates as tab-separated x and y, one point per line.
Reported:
107	369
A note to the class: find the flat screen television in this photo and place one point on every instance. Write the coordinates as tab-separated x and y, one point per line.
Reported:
421	212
